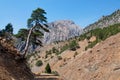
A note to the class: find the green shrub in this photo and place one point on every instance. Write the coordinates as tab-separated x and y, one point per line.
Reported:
56	51
39	63
91	45
46	56
53	49
49	52
59	58
65	47
73	45
30	55
76	53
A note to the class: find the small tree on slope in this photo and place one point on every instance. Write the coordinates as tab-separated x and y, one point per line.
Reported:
47	68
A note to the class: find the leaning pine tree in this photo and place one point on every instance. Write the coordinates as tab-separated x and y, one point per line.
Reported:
37	22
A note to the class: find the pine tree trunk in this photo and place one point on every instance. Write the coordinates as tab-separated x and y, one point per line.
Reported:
27	43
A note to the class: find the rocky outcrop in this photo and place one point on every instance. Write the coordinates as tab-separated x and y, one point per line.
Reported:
61	30
105	21
20	45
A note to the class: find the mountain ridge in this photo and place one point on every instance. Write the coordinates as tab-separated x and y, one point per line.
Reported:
105	21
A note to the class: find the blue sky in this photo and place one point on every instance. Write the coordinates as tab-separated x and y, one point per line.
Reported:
82	12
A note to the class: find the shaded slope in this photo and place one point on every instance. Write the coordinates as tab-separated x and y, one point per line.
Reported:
10	69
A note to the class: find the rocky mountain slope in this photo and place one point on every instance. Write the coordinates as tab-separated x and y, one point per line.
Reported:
61	30
105	21
99	63
102	62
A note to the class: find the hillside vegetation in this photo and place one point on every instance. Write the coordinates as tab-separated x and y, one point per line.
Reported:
100	34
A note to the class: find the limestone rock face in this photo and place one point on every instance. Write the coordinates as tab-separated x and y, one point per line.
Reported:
61	30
